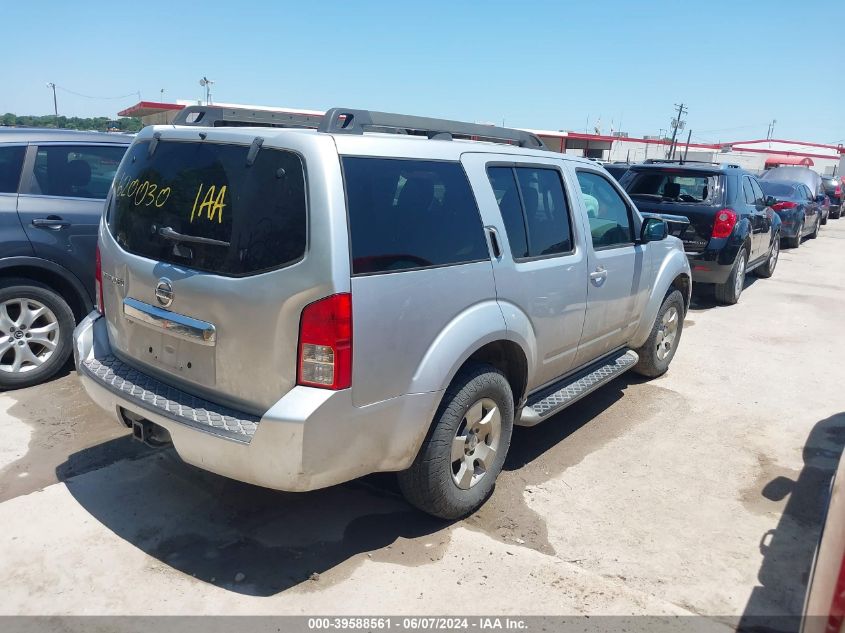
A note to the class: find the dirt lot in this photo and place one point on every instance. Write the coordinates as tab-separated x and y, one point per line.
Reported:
700	492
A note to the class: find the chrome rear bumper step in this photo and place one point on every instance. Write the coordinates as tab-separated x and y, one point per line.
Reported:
543	405
155	396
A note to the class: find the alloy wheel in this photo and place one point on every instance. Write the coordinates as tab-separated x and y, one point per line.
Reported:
667	333
739	282
29	335
475	443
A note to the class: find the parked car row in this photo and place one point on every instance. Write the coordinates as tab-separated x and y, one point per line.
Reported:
235	269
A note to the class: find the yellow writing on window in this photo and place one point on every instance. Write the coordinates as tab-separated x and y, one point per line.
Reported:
142	192
212	203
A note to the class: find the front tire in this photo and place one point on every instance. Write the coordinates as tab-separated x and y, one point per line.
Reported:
768	269
456	468
728	293
36	326
659	350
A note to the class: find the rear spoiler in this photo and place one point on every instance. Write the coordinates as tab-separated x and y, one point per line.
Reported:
670	219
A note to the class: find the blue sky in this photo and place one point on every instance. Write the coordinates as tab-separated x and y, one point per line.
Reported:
540	64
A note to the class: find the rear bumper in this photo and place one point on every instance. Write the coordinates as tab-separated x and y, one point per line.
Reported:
311	438
713	265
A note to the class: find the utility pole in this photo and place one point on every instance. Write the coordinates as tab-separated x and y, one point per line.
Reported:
686	149
676	124
162	96
55	103
771	131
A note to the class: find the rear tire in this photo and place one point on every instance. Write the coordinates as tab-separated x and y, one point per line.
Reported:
795	242
768	269
728	293
449	478
31	312
655	355
815	232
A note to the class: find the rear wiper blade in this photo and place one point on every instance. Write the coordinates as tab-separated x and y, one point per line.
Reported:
169	234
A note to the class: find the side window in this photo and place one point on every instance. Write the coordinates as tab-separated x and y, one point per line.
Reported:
77	171
11	161
506	191
534	210
546	212
748	192
759	198
610	219
807	194
407	214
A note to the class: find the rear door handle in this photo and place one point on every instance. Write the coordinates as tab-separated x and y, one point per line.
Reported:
494	241
53	222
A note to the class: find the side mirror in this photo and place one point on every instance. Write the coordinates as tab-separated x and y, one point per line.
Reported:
654	230
770	201
820	198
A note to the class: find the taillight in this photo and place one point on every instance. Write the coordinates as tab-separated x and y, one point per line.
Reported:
836	615
724	224
837	191
98	281
325	343
782	206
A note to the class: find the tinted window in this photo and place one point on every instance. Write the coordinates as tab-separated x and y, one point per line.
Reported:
777	190
676	186
257	213
504	185
406	214
75	171
11	161
546	211
758	193
610	221
747	191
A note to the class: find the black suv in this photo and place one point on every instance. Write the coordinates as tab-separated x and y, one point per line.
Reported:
732	228
53	184
833	188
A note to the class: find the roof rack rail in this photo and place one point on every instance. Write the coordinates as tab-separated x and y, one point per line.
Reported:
351	121
676	161
220	116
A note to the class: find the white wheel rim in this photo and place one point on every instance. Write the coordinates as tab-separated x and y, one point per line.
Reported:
740	275
29	335
475	443
667	333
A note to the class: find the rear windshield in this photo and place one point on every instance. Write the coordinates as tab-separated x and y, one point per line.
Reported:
254	217
777	189
672	186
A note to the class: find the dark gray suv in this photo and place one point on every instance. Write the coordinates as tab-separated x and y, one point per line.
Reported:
53	184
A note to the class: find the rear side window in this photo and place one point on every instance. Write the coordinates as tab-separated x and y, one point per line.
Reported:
534	210
75	171
672	186
11	161
408	214
253	217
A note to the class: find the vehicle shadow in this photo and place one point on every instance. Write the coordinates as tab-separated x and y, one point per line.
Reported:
246	539
788	549
530	443
703	296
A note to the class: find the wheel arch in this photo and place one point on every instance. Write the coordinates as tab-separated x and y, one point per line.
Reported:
56	277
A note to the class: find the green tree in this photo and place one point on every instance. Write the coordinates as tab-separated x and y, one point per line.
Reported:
100	124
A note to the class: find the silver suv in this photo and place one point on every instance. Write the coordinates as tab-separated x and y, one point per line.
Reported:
296	308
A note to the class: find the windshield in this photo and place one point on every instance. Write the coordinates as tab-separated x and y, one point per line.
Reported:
249	218
671	186
777	189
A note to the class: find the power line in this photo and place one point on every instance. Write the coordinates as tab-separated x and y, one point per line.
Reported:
79	94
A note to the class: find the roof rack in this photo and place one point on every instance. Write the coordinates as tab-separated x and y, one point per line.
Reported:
219	116
350	121
672	161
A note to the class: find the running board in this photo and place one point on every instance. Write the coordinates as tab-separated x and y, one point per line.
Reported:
572	389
